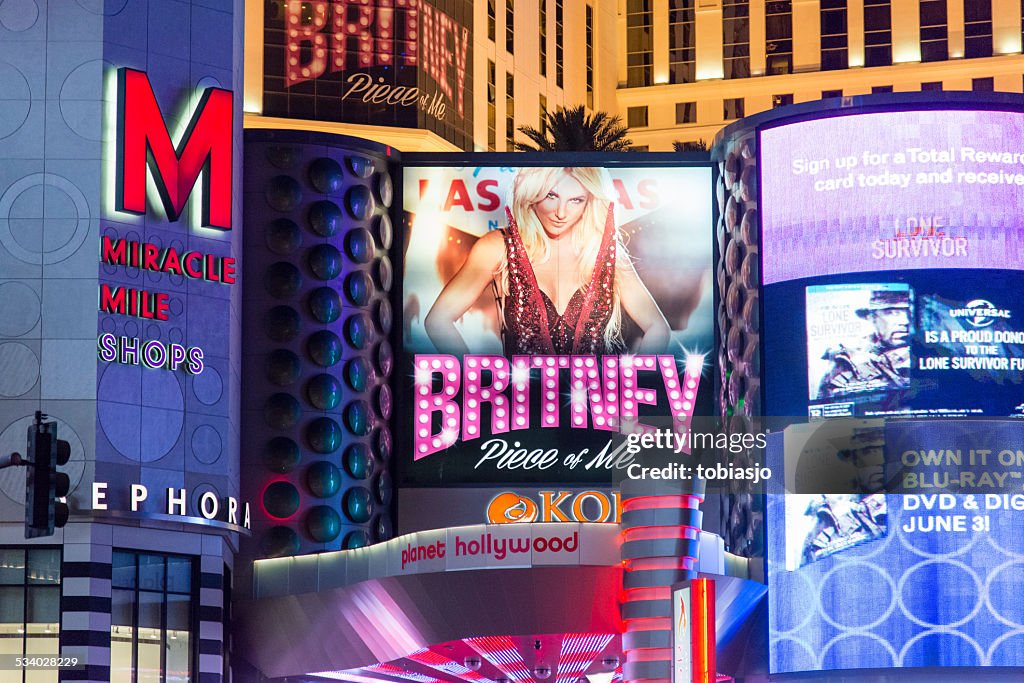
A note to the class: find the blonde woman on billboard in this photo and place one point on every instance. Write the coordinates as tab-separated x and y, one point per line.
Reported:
560	273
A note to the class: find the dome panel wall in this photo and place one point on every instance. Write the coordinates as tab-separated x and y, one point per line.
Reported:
316	401
738	280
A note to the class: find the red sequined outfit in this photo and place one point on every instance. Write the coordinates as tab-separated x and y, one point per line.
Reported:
532	325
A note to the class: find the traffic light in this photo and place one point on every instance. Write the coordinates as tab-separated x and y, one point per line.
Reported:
44	484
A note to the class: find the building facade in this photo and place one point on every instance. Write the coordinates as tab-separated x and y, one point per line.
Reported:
680	70
522	58
121	309
228	327
687	68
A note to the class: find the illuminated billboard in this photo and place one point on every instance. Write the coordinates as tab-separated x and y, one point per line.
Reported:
925	578
384	63
891	260
548	311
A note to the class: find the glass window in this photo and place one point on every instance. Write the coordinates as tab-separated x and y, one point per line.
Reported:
150	618
30	586
179	636
44	565
827	94
686	112
12	604
559	47
589	45
732	108
639	43
152	634
225	625
123	570
931	85
780	64
876	15
877	33
779	37
179	575
977	10
934	51
736	38
833	22
933	12
491	20
636	117
934	31
983	84
12	566
43	605
782	100
682	42
121	634
510	112
978	28
834	45
151	572
510	13
543	19
881	88
492	108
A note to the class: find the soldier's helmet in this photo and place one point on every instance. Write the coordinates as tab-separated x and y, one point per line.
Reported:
882	299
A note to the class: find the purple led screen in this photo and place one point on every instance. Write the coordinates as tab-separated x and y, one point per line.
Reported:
892	191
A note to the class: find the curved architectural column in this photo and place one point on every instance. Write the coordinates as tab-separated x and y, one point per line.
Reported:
317	362
660	537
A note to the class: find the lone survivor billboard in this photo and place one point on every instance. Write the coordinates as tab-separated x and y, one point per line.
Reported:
404	63
897	293
548	313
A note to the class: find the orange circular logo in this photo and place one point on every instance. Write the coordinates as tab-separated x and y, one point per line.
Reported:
511	508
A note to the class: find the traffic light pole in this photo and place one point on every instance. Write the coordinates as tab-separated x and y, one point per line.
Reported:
12	460
45	487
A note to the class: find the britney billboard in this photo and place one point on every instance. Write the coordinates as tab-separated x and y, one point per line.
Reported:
549	311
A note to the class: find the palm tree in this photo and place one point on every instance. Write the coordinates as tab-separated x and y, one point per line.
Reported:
574	130
698	146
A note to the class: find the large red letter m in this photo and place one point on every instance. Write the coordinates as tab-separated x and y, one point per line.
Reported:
205	148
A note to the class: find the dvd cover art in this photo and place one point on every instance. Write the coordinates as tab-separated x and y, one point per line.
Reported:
831	523
835	483
858	339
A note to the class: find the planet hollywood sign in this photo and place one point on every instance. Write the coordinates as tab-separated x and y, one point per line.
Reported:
145	149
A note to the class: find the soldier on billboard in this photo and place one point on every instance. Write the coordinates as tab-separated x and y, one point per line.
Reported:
885	362
866	453
843	521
